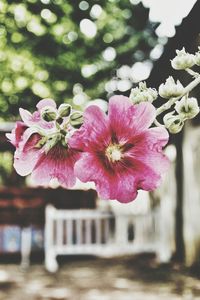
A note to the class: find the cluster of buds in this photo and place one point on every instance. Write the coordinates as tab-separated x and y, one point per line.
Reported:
183	60
65	119
143	94
50	114
174	92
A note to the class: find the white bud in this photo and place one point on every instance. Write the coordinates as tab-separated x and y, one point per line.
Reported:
64	110
187	108
173	123
197	57
170	88
143	94
49	113
183	60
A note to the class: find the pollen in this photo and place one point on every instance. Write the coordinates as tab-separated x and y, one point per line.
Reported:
114	153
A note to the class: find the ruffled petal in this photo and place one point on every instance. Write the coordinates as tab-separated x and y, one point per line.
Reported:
89	168
35	119
123	187
109	185
46	102
26	116
57	163
16	135
119	109
143	115
94	130
26	154
148	149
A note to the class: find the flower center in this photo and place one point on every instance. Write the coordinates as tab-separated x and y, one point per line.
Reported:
114	153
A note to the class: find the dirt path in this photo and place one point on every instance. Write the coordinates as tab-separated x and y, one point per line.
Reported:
124	278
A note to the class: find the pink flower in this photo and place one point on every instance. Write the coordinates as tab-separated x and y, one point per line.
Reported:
42	149
120	153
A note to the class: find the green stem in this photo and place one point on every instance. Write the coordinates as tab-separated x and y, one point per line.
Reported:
171	102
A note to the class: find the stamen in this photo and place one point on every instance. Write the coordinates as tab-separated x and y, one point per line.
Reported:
114	152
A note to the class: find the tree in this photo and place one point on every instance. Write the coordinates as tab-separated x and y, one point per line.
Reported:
67	50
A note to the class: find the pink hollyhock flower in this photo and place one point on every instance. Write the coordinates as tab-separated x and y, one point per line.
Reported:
121	154
42	148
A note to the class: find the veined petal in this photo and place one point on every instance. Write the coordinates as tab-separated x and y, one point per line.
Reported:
119	109
89	168
109	185
143	115
26	154
16	135
95	128
57	163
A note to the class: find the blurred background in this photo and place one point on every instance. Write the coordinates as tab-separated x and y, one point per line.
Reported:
83	52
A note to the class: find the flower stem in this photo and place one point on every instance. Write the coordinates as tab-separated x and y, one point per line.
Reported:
169	103
192	73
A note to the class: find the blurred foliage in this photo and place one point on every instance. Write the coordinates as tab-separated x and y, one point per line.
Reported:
6	167
61	49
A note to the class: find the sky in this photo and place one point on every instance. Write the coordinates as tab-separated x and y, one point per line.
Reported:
169	13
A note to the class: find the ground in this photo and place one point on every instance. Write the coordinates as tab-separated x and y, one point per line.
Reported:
89	278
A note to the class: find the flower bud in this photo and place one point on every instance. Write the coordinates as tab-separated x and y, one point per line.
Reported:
143	94
182	60
173	123
187	108
76	119
52	141
197	57
64	110
49	113
170	88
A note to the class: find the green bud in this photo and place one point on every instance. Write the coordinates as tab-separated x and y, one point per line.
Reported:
187	108
64	110
170	88
49	113
143	94
174	123
182	60
52	141
76	119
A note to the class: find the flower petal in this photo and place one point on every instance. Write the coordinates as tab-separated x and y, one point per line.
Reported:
26	154
16	135
143	116
94	128
148	149
34	119
57	163
109	186
26	116
46	102
119	109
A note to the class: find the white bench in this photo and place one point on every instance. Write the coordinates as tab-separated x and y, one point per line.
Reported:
96	232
